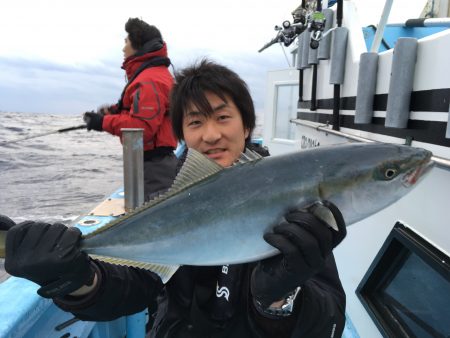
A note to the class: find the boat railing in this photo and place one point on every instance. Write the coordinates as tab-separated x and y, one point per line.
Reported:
380	30
440	161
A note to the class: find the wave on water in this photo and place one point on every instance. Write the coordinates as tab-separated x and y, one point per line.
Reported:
57	177
14	129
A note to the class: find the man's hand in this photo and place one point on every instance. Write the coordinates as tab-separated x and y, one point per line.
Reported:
48	255
304	241
107	109
94	121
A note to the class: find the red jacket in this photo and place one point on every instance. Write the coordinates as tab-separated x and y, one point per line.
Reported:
145	103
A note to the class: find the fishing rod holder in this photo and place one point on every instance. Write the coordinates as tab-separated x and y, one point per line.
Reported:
133	167
314	21
316	25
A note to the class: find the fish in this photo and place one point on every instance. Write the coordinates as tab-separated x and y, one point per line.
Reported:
215	216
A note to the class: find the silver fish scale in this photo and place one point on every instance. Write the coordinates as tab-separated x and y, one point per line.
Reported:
221	219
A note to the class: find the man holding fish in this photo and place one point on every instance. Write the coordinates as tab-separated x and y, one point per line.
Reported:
295	293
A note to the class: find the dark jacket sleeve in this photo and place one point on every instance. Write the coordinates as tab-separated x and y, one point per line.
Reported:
120	291
319	310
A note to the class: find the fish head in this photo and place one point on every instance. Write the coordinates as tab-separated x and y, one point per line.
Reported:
407	169
373	176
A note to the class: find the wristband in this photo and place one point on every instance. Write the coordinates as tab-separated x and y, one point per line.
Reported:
285	310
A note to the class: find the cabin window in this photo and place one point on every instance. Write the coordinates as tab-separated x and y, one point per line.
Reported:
407	288
285	110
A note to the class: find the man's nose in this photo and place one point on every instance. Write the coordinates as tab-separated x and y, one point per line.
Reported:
211	133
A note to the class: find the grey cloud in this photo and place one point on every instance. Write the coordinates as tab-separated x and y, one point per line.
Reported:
105	68
42	86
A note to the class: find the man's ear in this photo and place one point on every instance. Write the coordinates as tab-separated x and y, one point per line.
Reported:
246	132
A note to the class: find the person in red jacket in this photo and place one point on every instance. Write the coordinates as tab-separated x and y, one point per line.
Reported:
144	103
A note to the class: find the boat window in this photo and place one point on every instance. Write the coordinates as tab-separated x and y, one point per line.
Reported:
407	288
285	110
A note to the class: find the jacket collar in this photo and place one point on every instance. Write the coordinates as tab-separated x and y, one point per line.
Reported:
132	63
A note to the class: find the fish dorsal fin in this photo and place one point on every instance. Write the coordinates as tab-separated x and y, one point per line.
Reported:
196	168
249	156
165	272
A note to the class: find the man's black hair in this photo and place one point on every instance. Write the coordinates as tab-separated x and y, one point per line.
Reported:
193	82
140	32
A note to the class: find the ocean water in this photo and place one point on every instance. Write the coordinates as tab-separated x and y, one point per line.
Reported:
58	177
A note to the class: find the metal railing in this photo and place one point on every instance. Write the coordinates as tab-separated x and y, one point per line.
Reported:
133	167
133	174
440	161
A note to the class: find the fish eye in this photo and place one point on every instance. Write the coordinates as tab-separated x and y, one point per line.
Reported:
390	173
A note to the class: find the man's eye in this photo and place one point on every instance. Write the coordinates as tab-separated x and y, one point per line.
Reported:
224	117
194	123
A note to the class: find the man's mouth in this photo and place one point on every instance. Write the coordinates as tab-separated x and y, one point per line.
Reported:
214	151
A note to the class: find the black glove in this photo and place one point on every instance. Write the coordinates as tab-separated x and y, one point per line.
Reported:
48	255
108	110
6	223
304	241
94	121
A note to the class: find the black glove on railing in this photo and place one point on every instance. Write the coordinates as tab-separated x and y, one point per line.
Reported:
304	241
94	121
48	255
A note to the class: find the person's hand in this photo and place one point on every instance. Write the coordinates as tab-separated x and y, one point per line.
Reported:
305	241
107	109
48	255
94	121
103	110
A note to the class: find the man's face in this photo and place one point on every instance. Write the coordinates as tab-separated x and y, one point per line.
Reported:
220	136
128	50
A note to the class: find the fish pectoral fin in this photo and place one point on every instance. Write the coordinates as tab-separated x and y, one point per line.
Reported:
165	272
323	213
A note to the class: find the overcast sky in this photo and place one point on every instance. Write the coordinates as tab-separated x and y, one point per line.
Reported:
65	56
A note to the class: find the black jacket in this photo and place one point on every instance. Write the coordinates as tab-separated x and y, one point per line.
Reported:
192	303
187	307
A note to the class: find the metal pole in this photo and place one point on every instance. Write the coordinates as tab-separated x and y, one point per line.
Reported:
300	85
133	167
133	176
381	25
314	89
336	106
